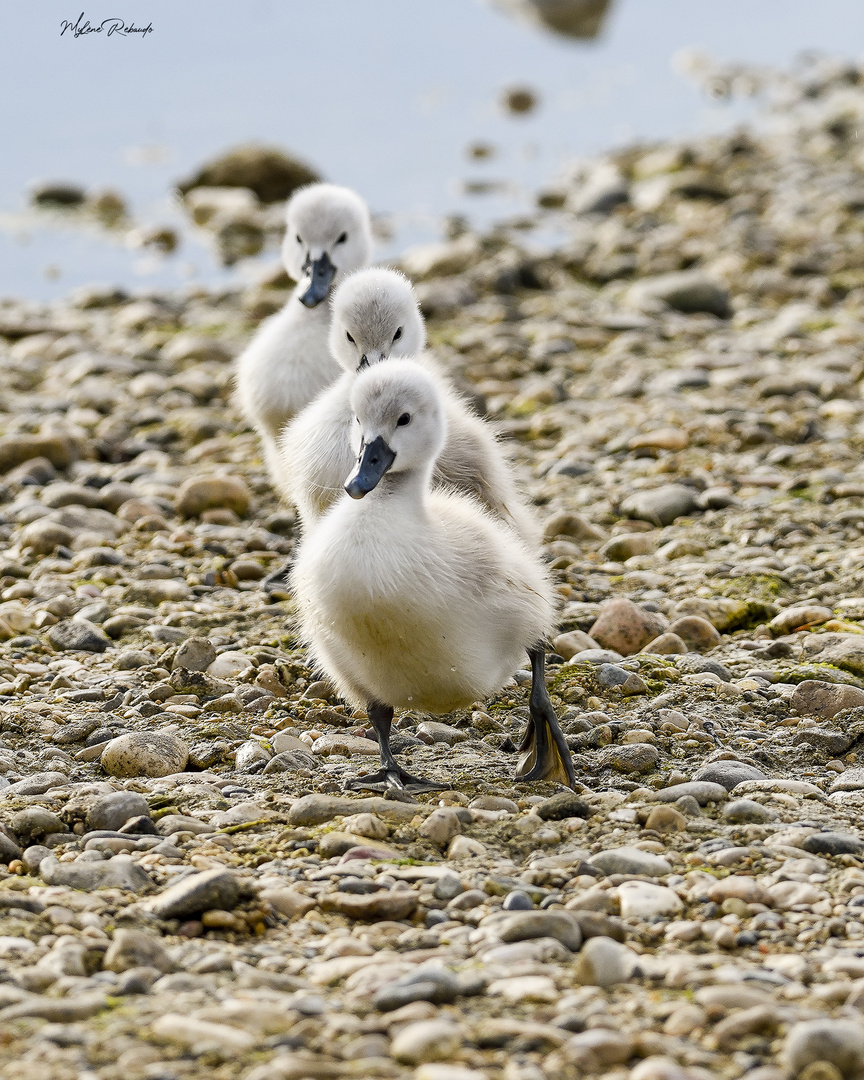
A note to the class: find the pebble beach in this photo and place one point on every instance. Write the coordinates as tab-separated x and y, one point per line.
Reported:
186	890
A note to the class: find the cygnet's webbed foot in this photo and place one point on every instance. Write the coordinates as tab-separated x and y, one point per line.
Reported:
394	778
277	582
391	776
544	752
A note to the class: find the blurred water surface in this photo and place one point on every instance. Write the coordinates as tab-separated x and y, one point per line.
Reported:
383	95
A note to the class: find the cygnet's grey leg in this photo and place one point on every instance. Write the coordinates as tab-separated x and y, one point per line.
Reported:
390	775
545	754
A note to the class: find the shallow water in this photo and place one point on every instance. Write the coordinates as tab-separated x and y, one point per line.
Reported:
382	95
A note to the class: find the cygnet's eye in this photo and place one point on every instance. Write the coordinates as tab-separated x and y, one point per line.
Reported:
351	339
342	238
404	419
398	334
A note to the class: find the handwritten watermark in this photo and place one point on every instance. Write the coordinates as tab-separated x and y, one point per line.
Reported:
109	27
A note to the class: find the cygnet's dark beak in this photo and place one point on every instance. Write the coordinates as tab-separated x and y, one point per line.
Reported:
375	459
320	273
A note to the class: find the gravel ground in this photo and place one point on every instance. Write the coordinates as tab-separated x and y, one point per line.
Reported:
187	891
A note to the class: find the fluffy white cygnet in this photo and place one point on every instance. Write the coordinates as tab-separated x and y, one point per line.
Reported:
288	363
416	598
376	317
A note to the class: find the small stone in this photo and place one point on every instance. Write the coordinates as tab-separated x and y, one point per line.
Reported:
174	823
37	784
524	988
60	450
366	825
666	819
833	843
427	1040
527	925
142	825
229	665
32	857
217	888
599	924
288	902
642	900
563	805
202	1036
787	895
207	492
627	683
839	1042
698	634
251	756
9	850
842	650
596	657
342	743
799	617
627	545
632	759
630	860
268	171
667	644
133	660
604	962
574	526
660	506
396	905
291	761
441	733
57	193
195	654
35	822
465	847
625	627
568	645
43	537
833	743
441	1071
663	1068
729	773
56	1010
135	948
318	808
688	291
740	887
441	826
693	664
78	635
660	439
813	697
746	810
427	983
112	811
688	806
145	753
119	872
517	901
156	592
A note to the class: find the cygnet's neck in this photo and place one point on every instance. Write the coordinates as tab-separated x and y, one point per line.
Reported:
408	488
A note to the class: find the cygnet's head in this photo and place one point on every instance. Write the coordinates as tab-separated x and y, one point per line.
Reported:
328	235
375	316
400	424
